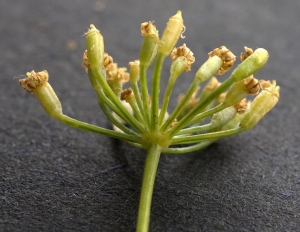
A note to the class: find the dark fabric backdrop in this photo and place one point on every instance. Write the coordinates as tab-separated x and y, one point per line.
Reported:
55	178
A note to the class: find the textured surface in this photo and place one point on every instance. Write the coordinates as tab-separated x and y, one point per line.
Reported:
56	178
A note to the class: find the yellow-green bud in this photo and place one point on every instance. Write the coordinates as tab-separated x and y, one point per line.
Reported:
223	116
37	83
252	64
178	66
115	79
127	95
236	93
234	123
171	34
261	105
134	71
150	43
187	53
95	47
211	66
148	50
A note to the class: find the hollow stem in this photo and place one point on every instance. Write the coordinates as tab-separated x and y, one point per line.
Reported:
151	163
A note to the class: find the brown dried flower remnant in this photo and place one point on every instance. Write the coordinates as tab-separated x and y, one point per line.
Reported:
173	123
241	106
248	52
264	84
126	93
227	57
34	80
85	61
122	74
148	28
271	87
186	52
108	60
252	85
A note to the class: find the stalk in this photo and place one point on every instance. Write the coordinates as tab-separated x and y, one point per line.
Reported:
151	163
155	90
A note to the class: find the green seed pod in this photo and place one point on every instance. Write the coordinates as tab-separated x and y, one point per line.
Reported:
134	74
171	34
236	93
250	65
37	83
211	66
261	105
178	66
150	44
223	116
95	47
148	50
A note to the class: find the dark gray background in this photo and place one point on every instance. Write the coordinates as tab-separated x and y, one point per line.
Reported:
55	178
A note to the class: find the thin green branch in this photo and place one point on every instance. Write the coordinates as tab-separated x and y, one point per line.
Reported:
207	113
137	95
99	130
166	99
155	90
208	136
181	104
184	150
114	121
195	129
186	120
145	94
97	79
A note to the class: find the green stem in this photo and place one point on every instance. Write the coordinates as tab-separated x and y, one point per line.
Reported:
155	90
104	101
113	120
151	164
145	93
136	111
98	82
208	136
138	99
195	129
207	113
95	129
181	104
184	150
185	120
166	99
